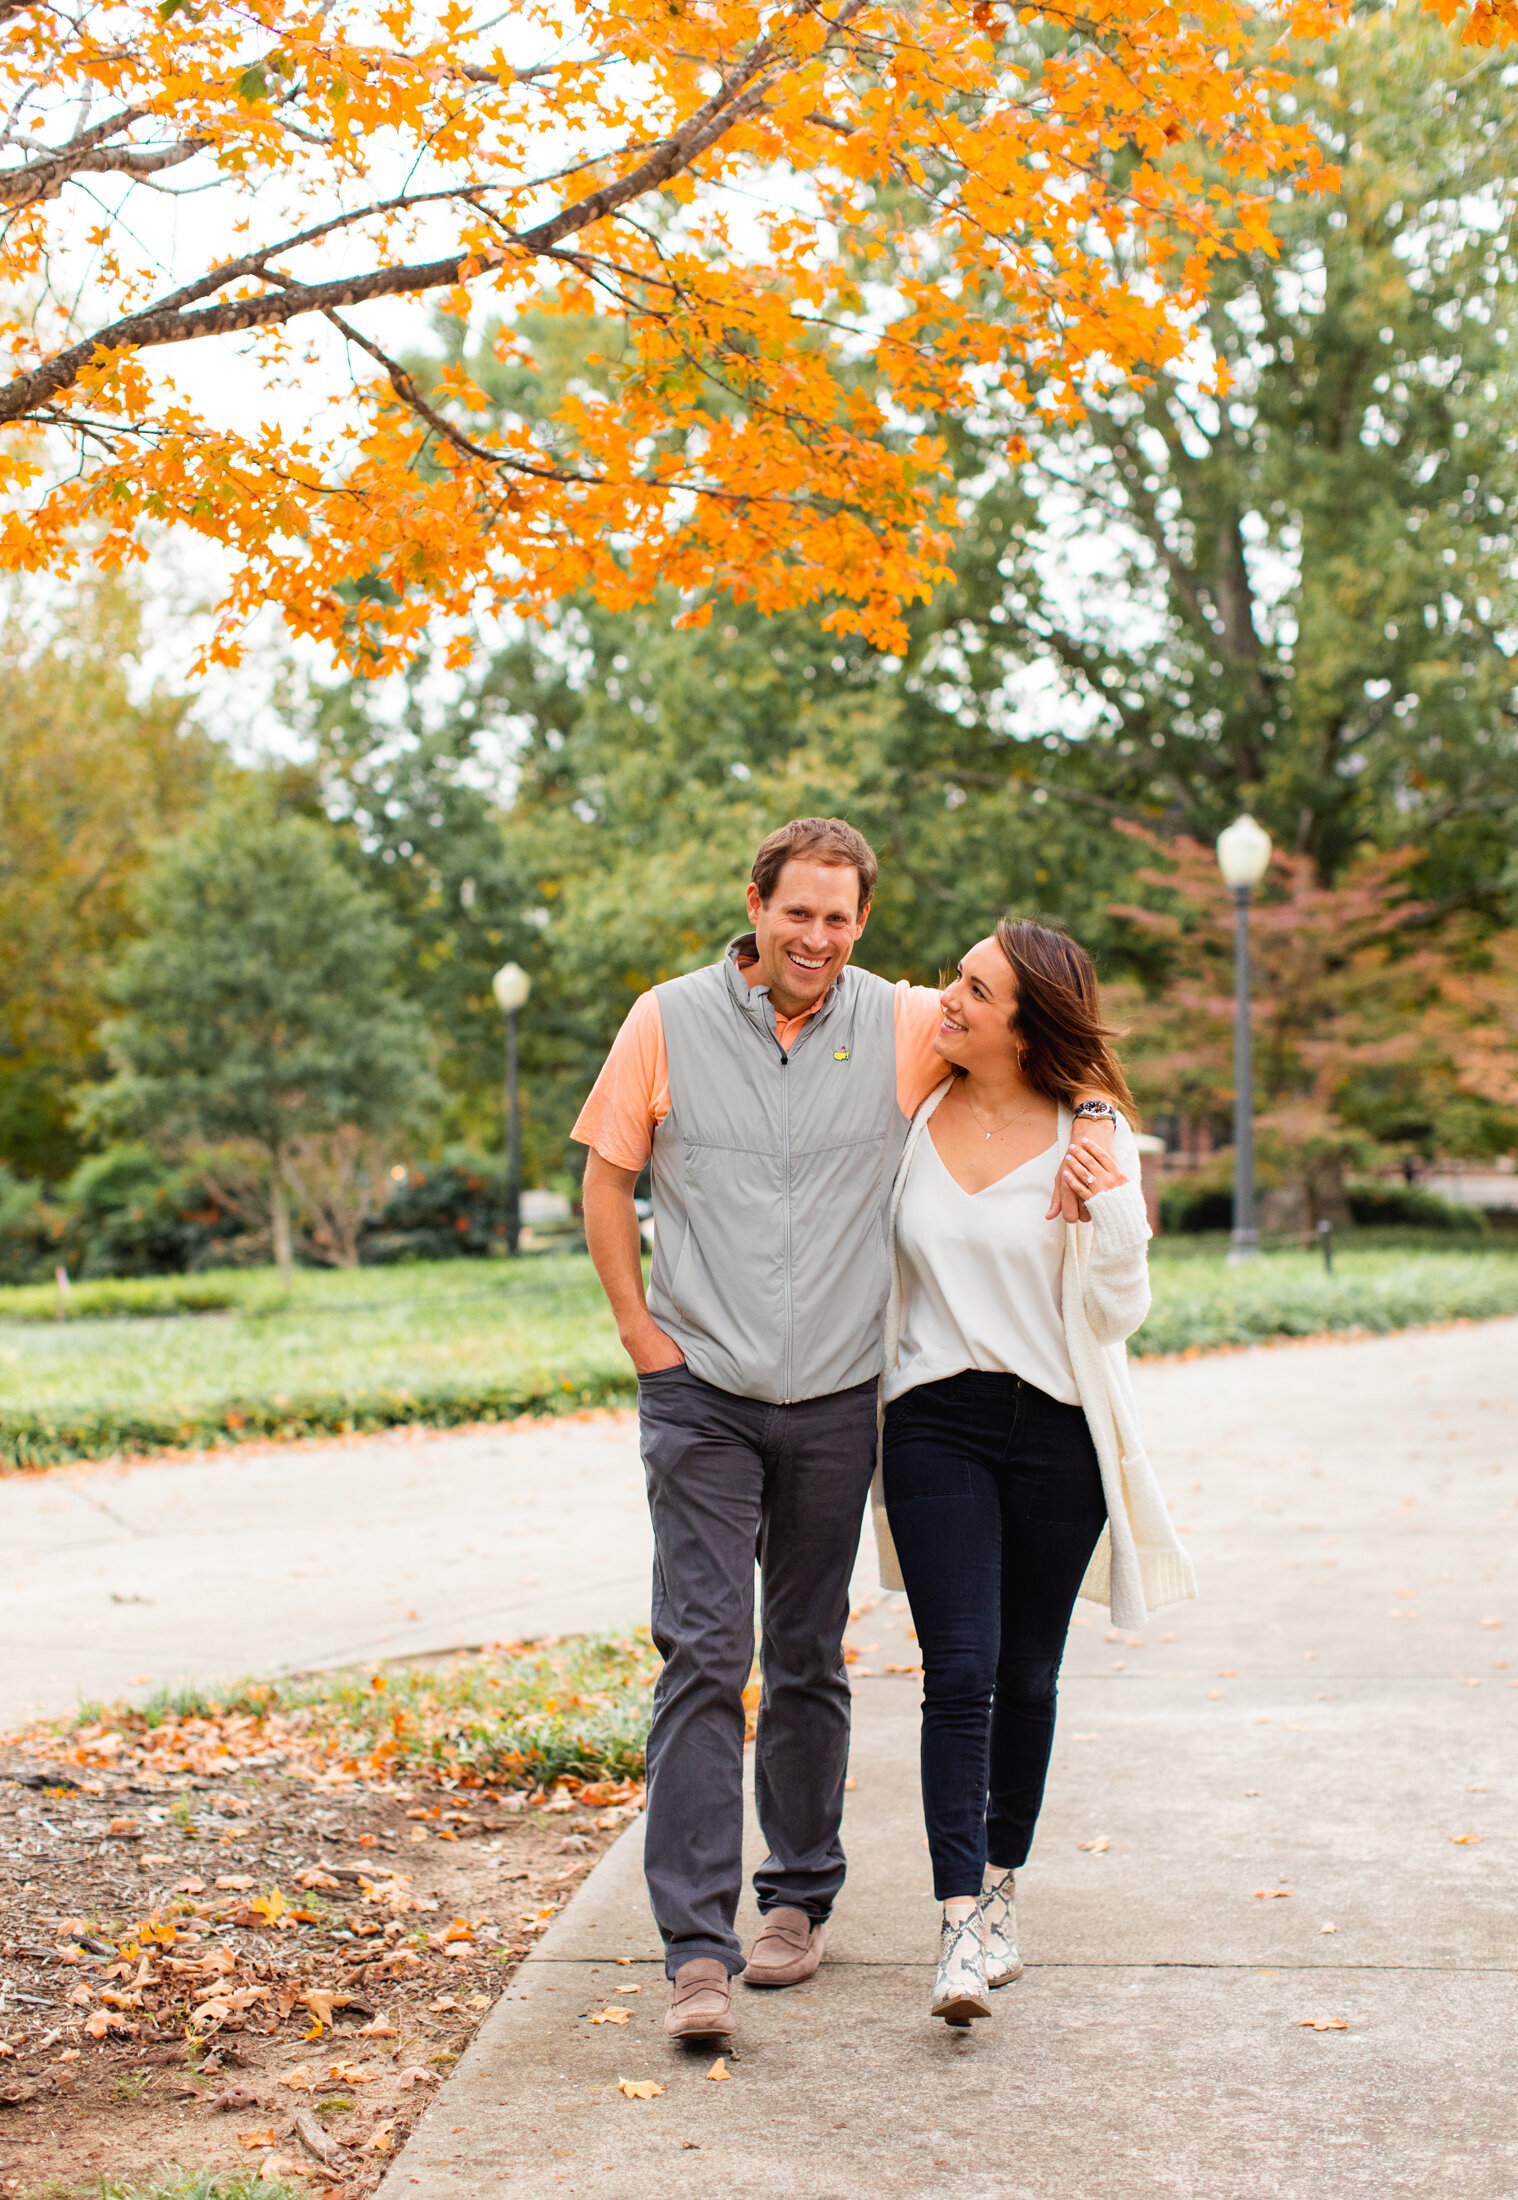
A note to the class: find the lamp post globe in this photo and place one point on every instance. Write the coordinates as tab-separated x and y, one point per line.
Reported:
1243	859
511	986
1243	854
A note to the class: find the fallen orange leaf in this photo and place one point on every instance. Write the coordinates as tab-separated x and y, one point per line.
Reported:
300	2079
255	2139
1273	1894
1322	2024
639	2089
235	1880
1097	1844
610	2016
718	2071
1466	1840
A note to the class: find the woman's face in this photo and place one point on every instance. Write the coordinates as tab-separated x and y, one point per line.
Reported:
977	1005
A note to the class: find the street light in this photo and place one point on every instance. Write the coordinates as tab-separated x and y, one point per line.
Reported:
1243	854
511	986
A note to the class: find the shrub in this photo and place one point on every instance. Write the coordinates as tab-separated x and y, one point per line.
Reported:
33	1231
131	1213
1187	1207
453	1209
1395	1206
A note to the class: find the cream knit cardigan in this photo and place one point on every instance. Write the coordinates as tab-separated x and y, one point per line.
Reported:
1139	1562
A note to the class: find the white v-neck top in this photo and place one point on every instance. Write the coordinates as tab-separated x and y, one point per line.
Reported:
980	1277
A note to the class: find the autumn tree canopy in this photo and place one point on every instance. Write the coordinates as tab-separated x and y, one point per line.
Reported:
812	228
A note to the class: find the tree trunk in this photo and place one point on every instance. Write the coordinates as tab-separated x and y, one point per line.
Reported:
279	1210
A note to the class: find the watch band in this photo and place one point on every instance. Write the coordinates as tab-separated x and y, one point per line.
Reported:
1095	1107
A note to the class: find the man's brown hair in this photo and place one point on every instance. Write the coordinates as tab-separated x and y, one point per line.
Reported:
825	840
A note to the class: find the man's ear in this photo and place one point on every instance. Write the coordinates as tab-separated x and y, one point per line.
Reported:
863	918
754	902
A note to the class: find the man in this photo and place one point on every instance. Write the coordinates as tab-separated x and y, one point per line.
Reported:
773	1091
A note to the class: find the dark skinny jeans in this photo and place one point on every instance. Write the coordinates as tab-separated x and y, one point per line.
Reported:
995	1502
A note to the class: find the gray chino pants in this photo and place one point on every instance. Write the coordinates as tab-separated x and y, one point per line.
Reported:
729	1478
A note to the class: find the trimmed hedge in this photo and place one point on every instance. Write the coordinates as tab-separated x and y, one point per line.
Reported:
52	1439
1201	1305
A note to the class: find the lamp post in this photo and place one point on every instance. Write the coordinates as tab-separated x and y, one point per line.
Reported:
511	986
1243	854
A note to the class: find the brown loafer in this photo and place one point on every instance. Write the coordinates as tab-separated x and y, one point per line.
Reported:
700	2001
789	1949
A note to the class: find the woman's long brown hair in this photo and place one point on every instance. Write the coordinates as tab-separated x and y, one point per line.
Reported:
1066	1047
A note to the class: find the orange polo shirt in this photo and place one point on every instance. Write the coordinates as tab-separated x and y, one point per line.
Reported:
630	1098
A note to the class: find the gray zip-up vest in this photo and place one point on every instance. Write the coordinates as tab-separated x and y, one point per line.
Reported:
771	1183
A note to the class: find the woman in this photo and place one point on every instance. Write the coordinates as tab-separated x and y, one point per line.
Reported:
1012	1472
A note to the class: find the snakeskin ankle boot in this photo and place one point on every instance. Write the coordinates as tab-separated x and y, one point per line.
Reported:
997	1910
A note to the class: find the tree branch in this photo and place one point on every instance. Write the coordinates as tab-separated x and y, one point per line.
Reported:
740	94
44	179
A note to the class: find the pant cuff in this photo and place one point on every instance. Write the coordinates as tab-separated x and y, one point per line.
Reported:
692	1951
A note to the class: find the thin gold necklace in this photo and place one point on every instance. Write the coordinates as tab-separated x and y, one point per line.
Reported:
980	1119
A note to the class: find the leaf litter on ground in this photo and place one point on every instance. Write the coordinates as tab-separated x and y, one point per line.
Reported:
380	1833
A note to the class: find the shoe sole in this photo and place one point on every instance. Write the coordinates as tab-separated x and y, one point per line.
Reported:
963	2010
700	2031
1005	1979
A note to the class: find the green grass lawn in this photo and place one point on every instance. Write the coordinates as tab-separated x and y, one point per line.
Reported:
453	1341
444	1341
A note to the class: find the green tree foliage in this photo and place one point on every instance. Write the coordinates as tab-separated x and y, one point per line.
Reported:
1302	594
260	1002
90	779
421	798
651	760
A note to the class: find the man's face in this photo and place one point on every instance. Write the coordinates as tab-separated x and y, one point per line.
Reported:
806	931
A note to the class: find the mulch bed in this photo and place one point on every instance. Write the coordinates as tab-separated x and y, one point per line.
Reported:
237	1968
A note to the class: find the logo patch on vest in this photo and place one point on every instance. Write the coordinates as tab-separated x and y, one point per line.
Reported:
840	1054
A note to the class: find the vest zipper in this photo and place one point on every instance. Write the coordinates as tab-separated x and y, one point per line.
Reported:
785	1177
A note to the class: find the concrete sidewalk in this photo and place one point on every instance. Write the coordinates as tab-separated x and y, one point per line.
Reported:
118	1579
1335	1719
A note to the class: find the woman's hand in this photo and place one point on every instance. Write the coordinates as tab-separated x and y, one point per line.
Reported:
1088	1168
